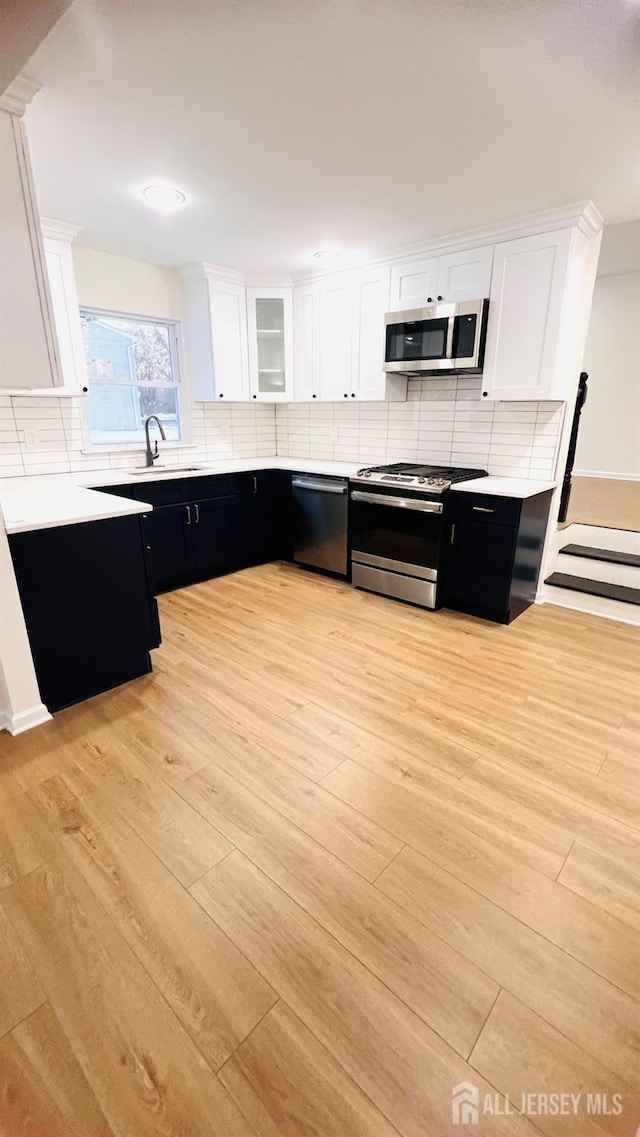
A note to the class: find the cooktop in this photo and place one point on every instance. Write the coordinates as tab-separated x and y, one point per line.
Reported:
419	476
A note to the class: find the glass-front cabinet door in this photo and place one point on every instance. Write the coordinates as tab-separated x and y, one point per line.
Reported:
270	317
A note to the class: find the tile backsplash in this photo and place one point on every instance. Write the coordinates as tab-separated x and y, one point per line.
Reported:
443	421
236	430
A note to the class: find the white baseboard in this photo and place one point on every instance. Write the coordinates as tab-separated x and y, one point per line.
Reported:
24	720
606	474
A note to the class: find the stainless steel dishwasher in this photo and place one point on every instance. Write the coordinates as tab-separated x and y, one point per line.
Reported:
320	510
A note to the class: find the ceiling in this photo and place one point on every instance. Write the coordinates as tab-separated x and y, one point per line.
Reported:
361	125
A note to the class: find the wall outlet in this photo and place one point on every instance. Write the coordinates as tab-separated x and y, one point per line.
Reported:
31	439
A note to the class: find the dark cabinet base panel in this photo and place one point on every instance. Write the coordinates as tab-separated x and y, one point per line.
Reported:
88	605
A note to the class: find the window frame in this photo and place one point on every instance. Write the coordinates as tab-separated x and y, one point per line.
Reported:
180	385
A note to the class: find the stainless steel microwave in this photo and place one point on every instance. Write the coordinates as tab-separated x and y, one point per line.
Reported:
442	337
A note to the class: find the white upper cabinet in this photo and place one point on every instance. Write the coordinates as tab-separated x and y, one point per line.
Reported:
216	327
451	276
465	276
369	381
413	284
29	354
306	324
531	294
64	299
336	330
270	330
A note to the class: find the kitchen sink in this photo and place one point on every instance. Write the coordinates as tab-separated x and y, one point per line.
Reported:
165	469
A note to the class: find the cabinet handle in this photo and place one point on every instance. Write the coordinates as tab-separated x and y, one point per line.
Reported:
482	509
197	509
453	532
254	484
188	509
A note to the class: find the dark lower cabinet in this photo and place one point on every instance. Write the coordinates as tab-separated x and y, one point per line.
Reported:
88	604
270	521
168	543
198	539
220	531
201	527
495	554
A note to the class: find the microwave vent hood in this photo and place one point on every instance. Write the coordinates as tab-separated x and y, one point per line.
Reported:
442	338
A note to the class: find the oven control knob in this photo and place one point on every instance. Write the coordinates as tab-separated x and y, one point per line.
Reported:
431	481
441	482
367	473
422	480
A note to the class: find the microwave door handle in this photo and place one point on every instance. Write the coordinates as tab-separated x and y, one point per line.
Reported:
448	351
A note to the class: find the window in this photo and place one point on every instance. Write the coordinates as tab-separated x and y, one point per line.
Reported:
133	372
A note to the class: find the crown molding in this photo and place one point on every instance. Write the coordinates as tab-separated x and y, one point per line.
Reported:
19	94
59	230
582	215
204	271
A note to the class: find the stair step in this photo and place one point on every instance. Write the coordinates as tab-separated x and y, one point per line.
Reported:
595	587
612	556
592	605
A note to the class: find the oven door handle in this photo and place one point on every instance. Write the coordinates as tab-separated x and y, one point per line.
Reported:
397	502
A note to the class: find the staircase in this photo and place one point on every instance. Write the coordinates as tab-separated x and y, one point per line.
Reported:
597	571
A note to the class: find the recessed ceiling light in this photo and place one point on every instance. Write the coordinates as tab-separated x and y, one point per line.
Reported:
164	198
327	255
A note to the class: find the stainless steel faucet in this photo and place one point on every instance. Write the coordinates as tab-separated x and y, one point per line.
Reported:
151	455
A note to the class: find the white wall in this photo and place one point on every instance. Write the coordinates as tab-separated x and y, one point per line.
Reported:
609	438
121	284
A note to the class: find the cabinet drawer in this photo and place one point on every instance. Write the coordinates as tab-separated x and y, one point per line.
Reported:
168	492
484	507
219	485
118	491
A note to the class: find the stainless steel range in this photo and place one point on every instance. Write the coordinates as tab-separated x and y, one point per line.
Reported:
398	528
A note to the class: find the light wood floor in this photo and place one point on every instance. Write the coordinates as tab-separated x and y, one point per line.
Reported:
604	501
334	857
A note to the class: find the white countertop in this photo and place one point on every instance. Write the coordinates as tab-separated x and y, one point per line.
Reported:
232	466
47	500
27	507
44	501
504	487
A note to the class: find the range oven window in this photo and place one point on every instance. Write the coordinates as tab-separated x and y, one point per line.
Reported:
418	339
398	534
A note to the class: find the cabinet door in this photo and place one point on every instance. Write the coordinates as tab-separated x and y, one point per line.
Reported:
527	293
466	275
413	284
270	498
336	316
480	566
168	539
29	356
371	297
229	340
306	314
270	330
66	312
220	533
